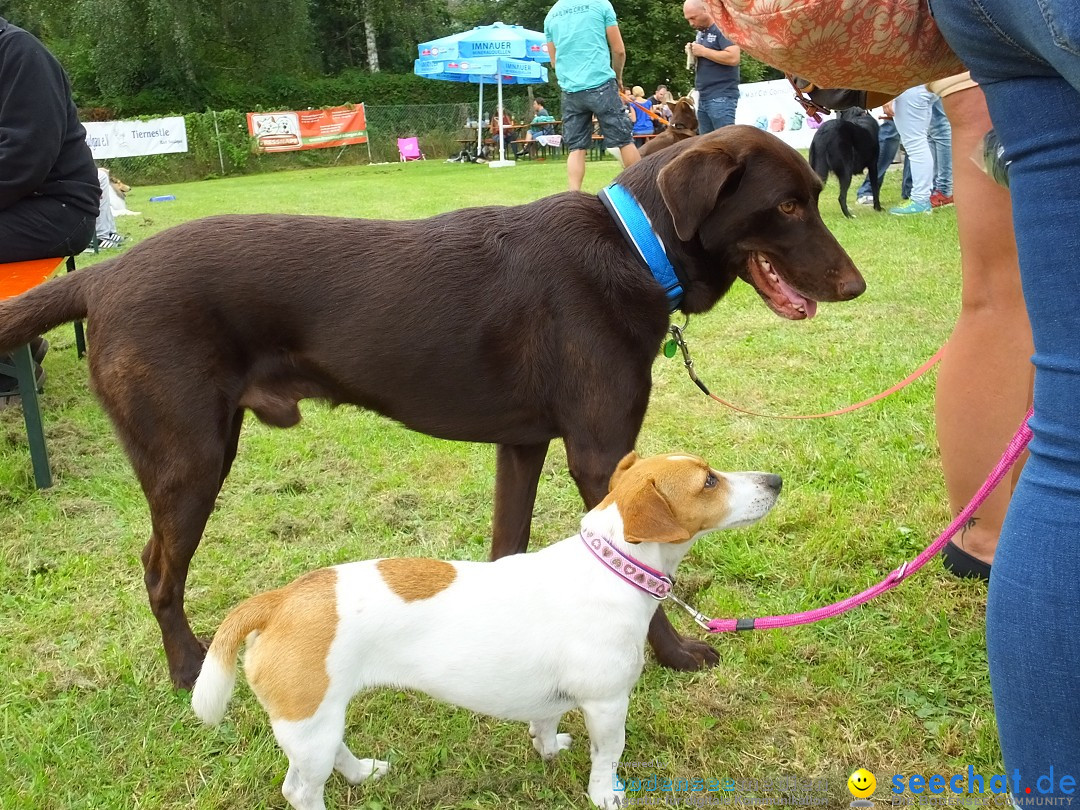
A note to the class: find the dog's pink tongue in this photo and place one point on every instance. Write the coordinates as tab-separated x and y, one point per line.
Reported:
809	306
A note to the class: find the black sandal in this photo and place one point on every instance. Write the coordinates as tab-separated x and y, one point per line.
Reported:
961	564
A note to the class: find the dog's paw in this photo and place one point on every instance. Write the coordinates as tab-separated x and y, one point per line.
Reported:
608	799
562	743
356	770
689	655
549	747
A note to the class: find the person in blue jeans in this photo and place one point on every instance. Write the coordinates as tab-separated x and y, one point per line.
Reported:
939	136
1025	54
912	112
716	75
939	133
888	146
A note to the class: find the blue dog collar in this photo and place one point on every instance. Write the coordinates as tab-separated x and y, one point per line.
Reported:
638	231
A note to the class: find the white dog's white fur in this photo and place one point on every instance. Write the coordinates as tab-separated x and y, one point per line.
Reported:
527	637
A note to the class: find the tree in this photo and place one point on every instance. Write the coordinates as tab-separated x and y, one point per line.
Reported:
378	34
654	34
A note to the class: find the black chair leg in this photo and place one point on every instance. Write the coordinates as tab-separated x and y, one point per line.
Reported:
80	333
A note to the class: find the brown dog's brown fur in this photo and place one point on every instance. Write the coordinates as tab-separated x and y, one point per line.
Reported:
542	325
683	125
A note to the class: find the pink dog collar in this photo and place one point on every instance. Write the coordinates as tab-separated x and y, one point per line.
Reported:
656	584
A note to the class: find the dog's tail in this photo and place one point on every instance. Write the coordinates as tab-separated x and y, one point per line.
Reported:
215	683
819	161
46	306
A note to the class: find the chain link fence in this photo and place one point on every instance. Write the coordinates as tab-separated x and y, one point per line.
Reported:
219	144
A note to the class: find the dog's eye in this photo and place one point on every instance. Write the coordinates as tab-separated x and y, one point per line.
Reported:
711	481
789	206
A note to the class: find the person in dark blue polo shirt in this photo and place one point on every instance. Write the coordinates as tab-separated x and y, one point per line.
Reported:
717	72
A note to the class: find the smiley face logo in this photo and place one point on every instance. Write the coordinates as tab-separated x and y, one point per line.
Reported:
861	783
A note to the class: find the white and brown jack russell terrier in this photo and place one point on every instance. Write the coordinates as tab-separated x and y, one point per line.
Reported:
527	637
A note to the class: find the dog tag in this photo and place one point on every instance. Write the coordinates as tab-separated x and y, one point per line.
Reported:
670	348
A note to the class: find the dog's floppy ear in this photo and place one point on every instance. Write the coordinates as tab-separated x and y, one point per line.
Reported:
628	461
692	182
647	517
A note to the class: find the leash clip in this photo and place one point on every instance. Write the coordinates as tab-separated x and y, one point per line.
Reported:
699	617
680	341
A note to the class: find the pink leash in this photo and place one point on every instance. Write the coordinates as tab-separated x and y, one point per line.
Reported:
1016	447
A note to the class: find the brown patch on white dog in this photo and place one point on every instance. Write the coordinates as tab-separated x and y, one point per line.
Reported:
292	686
414	579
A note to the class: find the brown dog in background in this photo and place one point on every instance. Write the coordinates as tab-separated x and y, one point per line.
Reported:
119	186
683	125
543	325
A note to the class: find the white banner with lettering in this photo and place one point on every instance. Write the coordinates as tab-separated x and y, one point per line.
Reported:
114	139
772	106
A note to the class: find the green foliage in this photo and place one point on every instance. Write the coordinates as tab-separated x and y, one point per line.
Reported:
158	57
287	93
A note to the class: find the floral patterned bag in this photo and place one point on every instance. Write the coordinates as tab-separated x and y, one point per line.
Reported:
882	45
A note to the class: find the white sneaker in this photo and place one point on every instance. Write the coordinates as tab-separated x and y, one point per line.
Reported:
865	199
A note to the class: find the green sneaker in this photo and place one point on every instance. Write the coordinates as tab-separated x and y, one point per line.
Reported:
912	208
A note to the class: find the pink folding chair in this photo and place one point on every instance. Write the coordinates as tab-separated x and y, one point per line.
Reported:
409	149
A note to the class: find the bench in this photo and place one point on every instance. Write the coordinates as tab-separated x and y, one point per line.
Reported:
15	279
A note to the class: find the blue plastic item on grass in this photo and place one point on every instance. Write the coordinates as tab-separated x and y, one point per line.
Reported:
163	198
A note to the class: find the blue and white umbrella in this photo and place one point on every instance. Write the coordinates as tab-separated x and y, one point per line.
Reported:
488	54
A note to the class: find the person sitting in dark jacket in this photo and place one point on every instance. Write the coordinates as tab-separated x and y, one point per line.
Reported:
49	193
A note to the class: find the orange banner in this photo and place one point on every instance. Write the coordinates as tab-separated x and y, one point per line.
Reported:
308	129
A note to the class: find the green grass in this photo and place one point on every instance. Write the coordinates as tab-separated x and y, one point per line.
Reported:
87	716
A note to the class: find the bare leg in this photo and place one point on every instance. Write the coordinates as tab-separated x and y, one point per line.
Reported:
575	168
630	155
984	384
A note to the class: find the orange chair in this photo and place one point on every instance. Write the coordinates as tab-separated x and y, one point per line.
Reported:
15	279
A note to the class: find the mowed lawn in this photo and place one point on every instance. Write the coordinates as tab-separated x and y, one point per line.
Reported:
88	718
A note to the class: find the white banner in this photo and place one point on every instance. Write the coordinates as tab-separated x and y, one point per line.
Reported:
113	139
772	106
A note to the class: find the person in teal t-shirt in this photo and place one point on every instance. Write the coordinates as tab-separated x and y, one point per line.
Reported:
588	55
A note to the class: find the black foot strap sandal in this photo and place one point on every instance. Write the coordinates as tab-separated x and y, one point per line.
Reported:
961	564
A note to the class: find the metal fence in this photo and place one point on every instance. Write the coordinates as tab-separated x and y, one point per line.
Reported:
219	144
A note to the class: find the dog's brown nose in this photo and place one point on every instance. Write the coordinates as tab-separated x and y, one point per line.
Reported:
850	287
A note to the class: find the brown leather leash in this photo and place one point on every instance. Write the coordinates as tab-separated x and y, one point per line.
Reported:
813	109
677	340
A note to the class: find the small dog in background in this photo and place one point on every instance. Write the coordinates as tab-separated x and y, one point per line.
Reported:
683	125
115	193
119	186
847	146
527	637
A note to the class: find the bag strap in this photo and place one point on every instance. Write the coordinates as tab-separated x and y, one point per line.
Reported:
813	109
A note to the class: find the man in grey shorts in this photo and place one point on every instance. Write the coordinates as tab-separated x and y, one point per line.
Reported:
591	55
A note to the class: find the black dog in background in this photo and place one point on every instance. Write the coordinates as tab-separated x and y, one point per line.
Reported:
847	146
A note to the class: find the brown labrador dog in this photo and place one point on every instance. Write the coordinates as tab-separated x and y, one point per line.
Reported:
683	125
196	326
